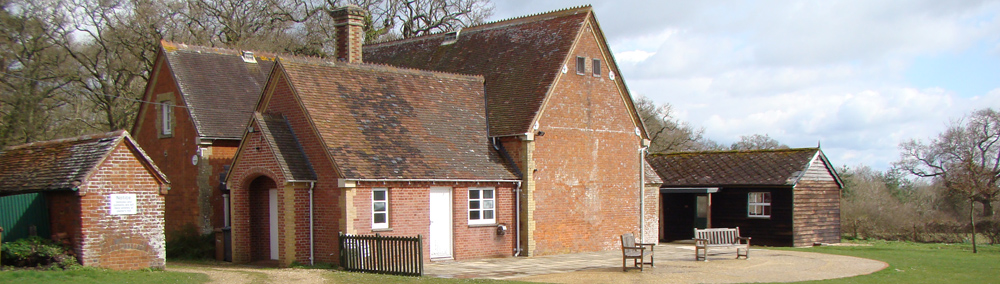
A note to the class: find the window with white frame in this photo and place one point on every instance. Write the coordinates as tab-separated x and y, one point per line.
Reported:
581	65
759	205
166	118
597	67
380	208
482	205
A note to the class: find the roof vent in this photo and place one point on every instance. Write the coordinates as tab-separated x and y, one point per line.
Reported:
248	57
450	37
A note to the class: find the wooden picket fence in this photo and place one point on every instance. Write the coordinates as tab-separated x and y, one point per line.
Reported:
382	254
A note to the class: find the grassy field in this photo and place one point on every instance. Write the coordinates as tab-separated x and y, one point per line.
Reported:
93	275
921	263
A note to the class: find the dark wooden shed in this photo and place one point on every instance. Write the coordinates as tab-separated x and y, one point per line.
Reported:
787	197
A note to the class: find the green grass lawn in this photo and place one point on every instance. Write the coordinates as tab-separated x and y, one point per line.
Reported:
94	275
921	263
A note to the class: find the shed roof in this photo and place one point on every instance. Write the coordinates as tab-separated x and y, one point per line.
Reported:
57	164
382	122
781	167
218	86
519	59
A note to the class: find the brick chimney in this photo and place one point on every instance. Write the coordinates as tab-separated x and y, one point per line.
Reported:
349	24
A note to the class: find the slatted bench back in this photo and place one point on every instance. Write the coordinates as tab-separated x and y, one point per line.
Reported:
718	236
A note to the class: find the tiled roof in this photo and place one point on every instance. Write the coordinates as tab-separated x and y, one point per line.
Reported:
519	59
219	88
732	168
382	122
55	165
289	153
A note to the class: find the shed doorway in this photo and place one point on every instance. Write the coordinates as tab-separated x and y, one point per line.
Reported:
441	223
685	209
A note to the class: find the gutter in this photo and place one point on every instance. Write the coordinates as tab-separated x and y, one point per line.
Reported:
312	247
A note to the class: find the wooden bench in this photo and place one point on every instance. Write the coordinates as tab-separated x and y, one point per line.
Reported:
636	252
720	237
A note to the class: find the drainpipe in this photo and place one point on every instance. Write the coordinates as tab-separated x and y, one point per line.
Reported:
517	218
642	195
312	251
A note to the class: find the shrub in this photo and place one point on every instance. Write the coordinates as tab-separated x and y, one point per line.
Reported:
188	243
36	252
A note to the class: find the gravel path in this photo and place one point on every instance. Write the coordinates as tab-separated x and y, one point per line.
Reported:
246	275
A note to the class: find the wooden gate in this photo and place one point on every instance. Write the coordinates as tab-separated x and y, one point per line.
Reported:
382	254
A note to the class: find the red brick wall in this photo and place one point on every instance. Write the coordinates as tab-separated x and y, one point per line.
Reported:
587	179
187	202
249	220
64	216
409	216
133	241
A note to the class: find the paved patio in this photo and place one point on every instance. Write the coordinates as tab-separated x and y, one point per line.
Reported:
674	264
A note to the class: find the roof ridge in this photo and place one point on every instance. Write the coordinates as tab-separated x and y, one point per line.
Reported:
379	67
488	25
735	151
171	46
112	134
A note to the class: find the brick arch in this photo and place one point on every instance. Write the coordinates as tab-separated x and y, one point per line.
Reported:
250	214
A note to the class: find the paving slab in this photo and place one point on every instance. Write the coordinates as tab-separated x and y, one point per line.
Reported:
674	263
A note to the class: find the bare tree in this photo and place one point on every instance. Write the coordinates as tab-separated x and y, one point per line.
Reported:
667	134
390	19
965	158
757	142
34	73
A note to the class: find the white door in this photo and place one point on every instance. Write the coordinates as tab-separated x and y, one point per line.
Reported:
272	207
440	232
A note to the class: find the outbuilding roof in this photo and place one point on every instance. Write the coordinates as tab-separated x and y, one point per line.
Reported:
60	164
219	87
782	167
519	58
288	151
382	122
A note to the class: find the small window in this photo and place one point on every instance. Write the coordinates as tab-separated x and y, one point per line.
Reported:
380	208
581	67
597	67
759	205
166	118
482	206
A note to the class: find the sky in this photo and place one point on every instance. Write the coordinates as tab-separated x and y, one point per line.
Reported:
856	77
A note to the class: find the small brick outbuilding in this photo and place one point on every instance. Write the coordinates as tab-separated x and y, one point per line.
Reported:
104	196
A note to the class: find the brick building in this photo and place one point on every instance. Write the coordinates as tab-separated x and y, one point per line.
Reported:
557	116
104	196
201	99
788	197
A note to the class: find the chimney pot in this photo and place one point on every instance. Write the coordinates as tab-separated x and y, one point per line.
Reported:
349	26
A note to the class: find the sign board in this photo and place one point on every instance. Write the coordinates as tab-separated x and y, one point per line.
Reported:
122	204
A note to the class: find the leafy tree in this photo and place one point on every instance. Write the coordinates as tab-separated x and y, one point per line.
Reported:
757	142
965	158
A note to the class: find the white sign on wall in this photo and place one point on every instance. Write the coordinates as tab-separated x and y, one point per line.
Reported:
122	204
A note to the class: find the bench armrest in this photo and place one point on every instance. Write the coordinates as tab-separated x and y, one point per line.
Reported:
638	248
744	239
700	242
646	244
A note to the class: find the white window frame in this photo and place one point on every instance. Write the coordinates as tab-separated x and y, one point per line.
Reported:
759	205
483	202
581	65
384	225
166	118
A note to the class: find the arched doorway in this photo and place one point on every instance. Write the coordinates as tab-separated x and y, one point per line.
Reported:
263	205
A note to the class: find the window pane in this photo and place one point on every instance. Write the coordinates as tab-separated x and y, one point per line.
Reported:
379	218
473	215
379	195
379	206
488	214
580	62
473	204
487	193
597	67
766	197
473	194
487	204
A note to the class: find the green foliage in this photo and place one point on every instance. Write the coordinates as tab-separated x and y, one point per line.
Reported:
36	252
919	263
188	243
97	275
